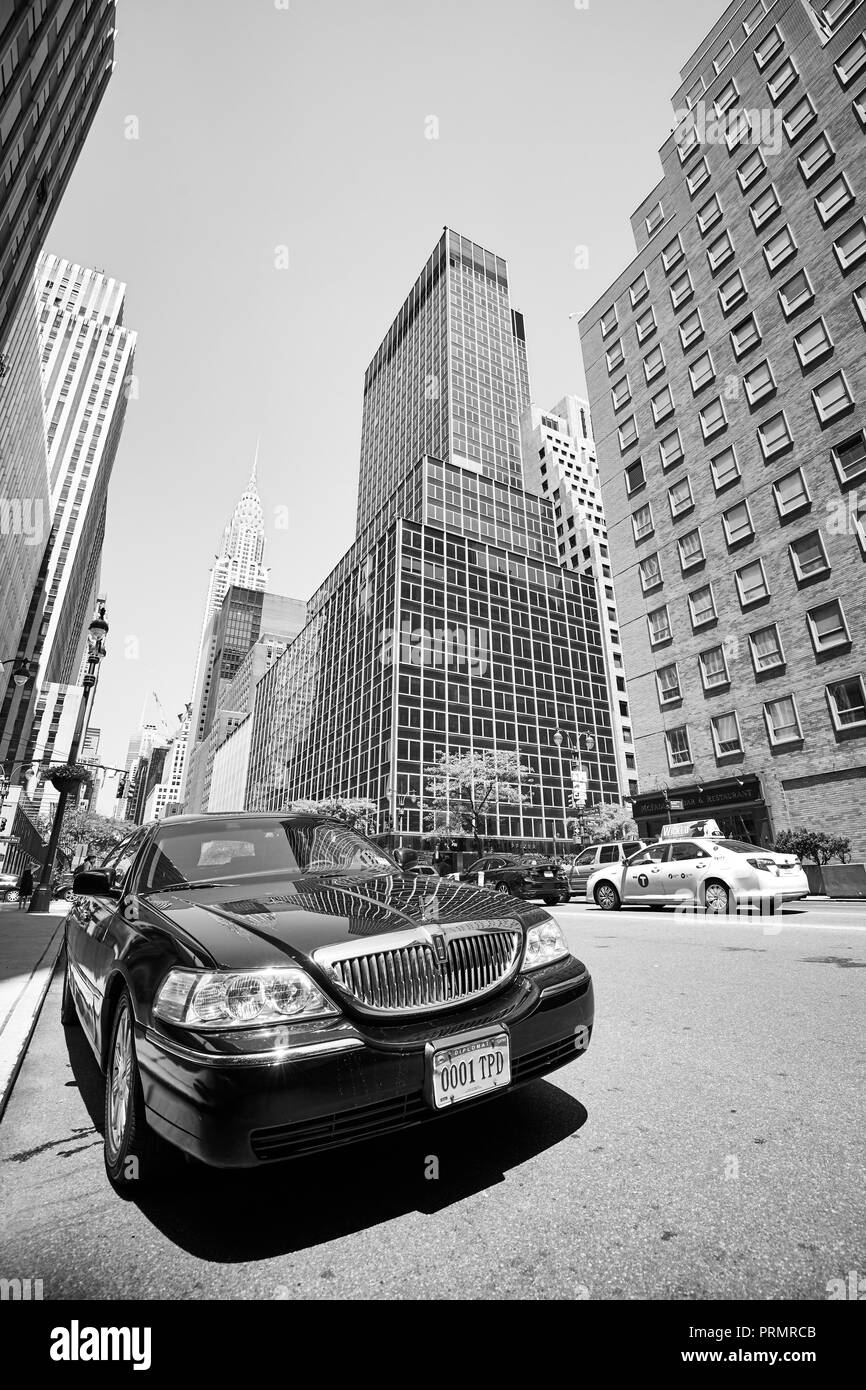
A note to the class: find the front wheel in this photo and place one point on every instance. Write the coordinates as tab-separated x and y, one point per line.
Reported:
502	888
134	1155
607	897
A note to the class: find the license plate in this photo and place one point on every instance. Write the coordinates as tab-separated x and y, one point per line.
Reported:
548	873
458	1070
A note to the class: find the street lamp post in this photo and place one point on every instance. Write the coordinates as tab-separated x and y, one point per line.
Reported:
41	900
558	740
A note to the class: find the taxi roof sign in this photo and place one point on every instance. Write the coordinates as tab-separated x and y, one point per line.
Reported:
685	829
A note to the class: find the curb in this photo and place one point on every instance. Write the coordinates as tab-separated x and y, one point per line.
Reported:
31	999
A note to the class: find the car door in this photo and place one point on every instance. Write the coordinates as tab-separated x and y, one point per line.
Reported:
643	880
486	871
582	867
686	870
94	918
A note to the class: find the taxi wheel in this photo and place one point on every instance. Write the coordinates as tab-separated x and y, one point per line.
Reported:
607	897
717	897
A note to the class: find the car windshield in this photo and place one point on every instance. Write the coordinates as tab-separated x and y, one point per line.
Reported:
235	848
738	846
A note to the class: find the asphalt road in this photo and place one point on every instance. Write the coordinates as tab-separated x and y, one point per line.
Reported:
709	1145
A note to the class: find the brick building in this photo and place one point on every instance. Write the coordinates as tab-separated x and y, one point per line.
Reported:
726	370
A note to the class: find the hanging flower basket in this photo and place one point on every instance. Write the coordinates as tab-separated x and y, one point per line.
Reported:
66	777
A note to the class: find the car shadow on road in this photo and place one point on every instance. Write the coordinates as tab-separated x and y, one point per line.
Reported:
255	1214
251	1214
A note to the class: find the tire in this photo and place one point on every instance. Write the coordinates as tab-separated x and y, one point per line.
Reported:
68	1012
719	895
135	1157
607	898
502	888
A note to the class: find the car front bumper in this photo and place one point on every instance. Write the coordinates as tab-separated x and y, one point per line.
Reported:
338	1082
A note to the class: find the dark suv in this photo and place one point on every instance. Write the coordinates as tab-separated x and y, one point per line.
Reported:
523	876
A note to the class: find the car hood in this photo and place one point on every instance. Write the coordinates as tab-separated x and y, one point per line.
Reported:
246	925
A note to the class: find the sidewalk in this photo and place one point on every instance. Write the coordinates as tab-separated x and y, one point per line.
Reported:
29	947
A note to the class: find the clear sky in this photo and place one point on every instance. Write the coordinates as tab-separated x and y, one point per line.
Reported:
300	124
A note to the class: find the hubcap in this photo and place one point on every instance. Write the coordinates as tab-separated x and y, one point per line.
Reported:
606	897
119	1084
717	898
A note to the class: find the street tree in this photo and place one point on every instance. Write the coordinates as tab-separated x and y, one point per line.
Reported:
86	832
463	789
816	845
605	820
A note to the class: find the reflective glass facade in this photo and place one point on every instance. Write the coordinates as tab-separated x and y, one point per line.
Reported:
450	625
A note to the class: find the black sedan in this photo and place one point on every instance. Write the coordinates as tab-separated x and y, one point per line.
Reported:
257	987
521	875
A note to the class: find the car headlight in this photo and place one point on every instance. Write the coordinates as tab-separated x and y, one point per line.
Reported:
544	943
239	998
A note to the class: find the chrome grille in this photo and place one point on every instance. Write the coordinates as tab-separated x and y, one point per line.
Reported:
408	977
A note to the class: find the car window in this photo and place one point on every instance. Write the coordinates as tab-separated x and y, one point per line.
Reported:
120	859
738	846
588	857
609	854
236	848
685	849
630	847
657	854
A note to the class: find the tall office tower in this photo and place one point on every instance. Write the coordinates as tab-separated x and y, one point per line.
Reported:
87	360
243	616
56	59
239	563
163	798
449	380
727	380
25	501
559	461
450	625
225	752
141	744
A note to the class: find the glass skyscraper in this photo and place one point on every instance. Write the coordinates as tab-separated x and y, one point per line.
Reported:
450	624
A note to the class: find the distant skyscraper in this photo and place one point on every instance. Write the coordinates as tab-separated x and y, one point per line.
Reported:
450	378
56	60
244	617
239	563
25	497
560	463
87	358
450	626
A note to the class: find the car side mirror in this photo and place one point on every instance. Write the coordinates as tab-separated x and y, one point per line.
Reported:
94	883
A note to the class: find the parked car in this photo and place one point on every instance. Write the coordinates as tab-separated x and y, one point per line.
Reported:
596	856
521	875
707	872
257	987
8	888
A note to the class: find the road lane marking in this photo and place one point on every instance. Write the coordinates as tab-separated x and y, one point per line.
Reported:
772	926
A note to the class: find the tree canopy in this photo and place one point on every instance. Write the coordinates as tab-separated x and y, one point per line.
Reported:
465	788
